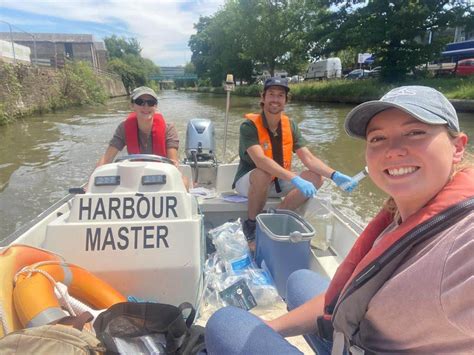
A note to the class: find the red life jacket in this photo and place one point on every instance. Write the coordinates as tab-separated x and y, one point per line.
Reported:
158	134
460	188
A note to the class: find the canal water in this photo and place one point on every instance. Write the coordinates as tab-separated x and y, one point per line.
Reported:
42	157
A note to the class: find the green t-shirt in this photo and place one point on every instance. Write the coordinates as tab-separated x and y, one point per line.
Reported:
249	137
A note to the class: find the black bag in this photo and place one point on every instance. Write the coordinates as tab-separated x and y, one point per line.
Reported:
129	323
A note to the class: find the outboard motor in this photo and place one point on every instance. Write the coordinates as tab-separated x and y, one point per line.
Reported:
200	145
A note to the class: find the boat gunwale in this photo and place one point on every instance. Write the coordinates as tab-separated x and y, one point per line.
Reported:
36	220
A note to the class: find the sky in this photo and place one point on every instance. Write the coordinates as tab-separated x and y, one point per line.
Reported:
162	27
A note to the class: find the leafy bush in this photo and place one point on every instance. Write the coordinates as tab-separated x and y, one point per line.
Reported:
249	90
81	85
10	93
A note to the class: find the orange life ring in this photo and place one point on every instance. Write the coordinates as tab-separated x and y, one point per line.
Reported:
36	303
12	259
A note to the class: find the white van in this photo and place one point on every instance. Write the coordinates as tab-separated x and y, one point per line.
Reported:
329	68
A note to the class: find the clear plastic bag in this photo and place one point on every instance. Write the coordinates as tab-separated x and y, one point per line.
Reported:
261	285
229	240
230	263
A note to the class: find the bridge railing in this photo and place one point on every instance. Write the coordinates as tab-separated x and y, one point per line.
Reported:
161	77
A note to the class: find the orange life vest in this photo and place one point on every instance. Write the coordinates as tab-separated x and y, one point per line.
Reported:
364	252
265	141
158	134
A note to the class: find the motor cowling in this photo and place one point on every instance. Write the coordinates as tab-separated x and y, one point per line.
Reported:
200	140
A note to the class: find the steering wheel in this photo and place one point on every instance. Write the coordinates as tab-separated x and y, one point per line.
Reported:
145	157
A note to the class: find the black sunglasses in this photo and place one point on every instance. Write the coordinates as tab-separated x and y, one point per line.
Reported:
142	102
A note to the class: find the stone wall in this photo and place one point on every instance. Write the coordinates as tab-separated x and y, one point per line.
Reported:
26	89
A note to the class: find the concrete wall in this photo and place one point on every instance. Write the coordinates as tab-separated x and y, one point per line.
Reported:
113	86
101	59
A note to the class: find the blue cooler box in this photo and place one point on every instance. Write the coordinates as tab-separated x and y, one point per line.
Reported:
283	244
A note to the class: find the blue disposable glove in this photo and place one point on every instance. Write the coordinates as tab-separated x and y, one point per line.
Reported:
344	182
306	188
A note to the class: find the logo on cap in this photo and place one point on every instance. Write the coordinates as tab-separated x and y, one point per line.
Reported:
399	92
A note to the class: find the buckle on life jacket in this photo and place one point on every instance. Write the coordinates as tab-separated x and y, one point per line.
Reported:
325	328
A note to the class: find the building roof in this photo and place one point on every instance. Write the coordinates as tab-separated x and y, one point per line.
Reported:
100	46
48	37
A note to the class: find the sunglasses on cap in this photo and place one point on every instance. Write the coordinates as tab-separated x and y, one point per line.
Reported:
142	102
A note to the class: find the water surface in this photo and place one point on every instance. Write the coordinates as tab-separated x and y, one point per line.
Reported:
41	157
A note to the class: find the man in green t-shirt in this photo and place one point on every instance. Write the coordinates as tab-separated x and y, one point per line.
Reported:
266	145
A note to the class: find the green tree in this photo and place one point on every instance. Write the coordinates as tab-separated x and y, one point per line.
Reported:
125	59
348	57
200	44
189	68
81	85
117	47
396	32
272	31
249	34
217	49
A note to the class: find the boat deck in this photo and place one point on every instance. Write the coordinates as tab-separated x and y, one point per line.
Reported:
268	313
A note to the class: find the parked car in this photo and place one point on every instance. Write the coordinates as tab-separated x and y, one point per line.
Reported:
296	79
465	67
358	74
330	68
375	72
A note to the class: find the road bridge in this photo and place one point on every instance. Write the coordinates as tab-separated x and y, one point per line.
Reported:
169	75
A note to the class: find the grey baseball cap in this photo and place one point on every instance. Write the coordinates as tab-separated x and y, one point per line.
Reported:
423	103
143	90
283	82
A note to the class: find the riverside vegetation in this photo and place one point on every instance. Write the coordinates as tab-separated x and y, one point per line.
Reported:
27	90
357	91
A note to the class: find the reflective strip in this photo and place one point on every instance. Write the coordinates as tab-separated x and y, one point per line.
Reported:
355	350
337	343
47	316
67	274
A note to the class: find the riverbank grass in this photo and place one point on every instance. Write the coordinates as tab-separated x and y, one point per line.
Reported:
357	91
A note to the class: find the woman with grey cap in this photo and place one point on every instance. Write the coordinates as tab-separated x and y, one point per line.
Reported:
144	131
407	285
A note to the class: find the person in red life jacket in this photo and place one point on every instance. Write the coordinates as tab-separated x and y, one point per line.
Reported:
144	131
407	284
266	146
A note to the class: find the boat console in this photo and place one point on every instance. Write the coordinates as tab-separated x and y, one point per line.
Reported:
138	228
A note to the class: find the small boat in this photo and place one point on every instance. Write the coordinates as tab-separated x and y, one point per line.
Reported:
139	229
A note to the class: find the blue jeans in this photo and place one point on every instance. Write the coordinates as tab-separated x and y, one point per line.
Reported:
232	330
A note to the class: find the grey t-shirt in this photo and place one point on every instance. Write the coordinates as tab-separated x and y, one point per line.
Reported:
145	140
427	306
